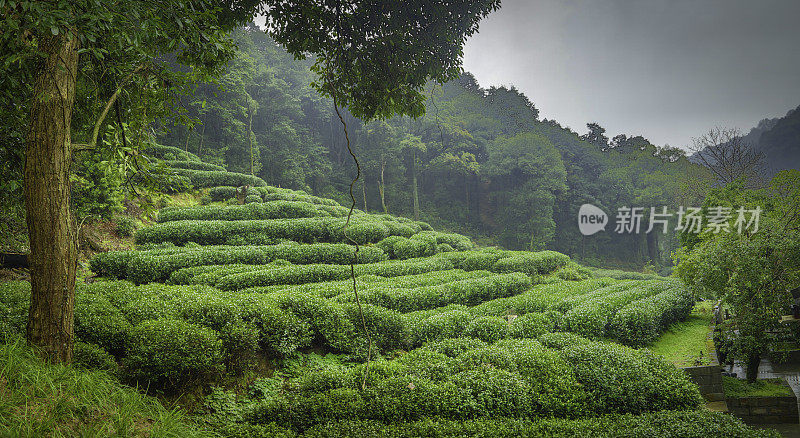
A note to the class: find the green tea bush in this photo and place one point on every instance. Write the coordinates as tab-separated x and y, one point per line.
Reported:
531	263
530	326
295	274
573	272
592	316
213	178
158	265
663	424
466	292
306	230
620	379
540	298
622	275
330	324
479	260
15	299
126	226
253	199
98	322
642	321
459	242
173	352
222	193
281	332
397	268
425	327
162	152
487	328
422	244
93	357
386	327
255	211
566	304
193	165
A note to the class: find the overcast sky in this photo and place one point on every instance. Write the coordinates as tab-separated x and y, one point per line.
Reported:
666	69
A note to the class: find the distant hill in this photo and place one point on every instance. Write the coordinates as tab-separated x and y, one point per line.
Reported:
778	139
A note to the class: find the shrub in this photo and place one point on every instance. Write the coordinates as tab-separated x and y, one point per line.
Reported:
467	292
222	193
93	357
592	316
284	275
254	211
306	230
253	199
126	226
163	152
487	328
213	178
98	322
457	241
14	305
531	263
281	332
386	327
642	321
441	325
194	165
158	265
530	325
422	244
656	424
619	379
539	299
173	352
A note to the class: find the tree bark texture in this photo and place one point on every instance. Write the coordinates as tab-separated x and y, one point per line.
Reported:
51	227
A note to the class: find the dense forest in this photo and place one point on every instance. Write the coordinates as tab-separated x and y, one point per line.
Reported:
479	161
325	227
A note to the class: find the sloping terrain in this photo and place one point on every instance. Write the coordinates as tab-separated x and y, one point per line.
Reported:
460	340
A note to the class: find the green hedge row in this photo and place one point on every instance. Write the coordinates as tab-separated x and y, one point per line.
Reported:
539	299
642	321
362	229
619	379
531	263
662	424
320	272
254	211
283	275
169	153
465	379
213	178
591	317
158	265
366	282
566	304
270	193
193	165
466	292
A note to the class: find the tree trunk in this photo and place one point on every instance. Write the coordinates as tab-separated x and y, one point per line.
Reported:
380	189
51	227
250	139
652	247
414	190
753	361
364	191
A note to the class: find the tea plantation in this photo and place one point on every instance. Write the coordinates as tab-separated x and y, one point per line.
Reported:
461	340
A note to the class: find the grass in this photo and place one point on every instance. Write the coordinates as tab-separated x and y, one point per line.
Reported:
734	387
42	400
686	343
